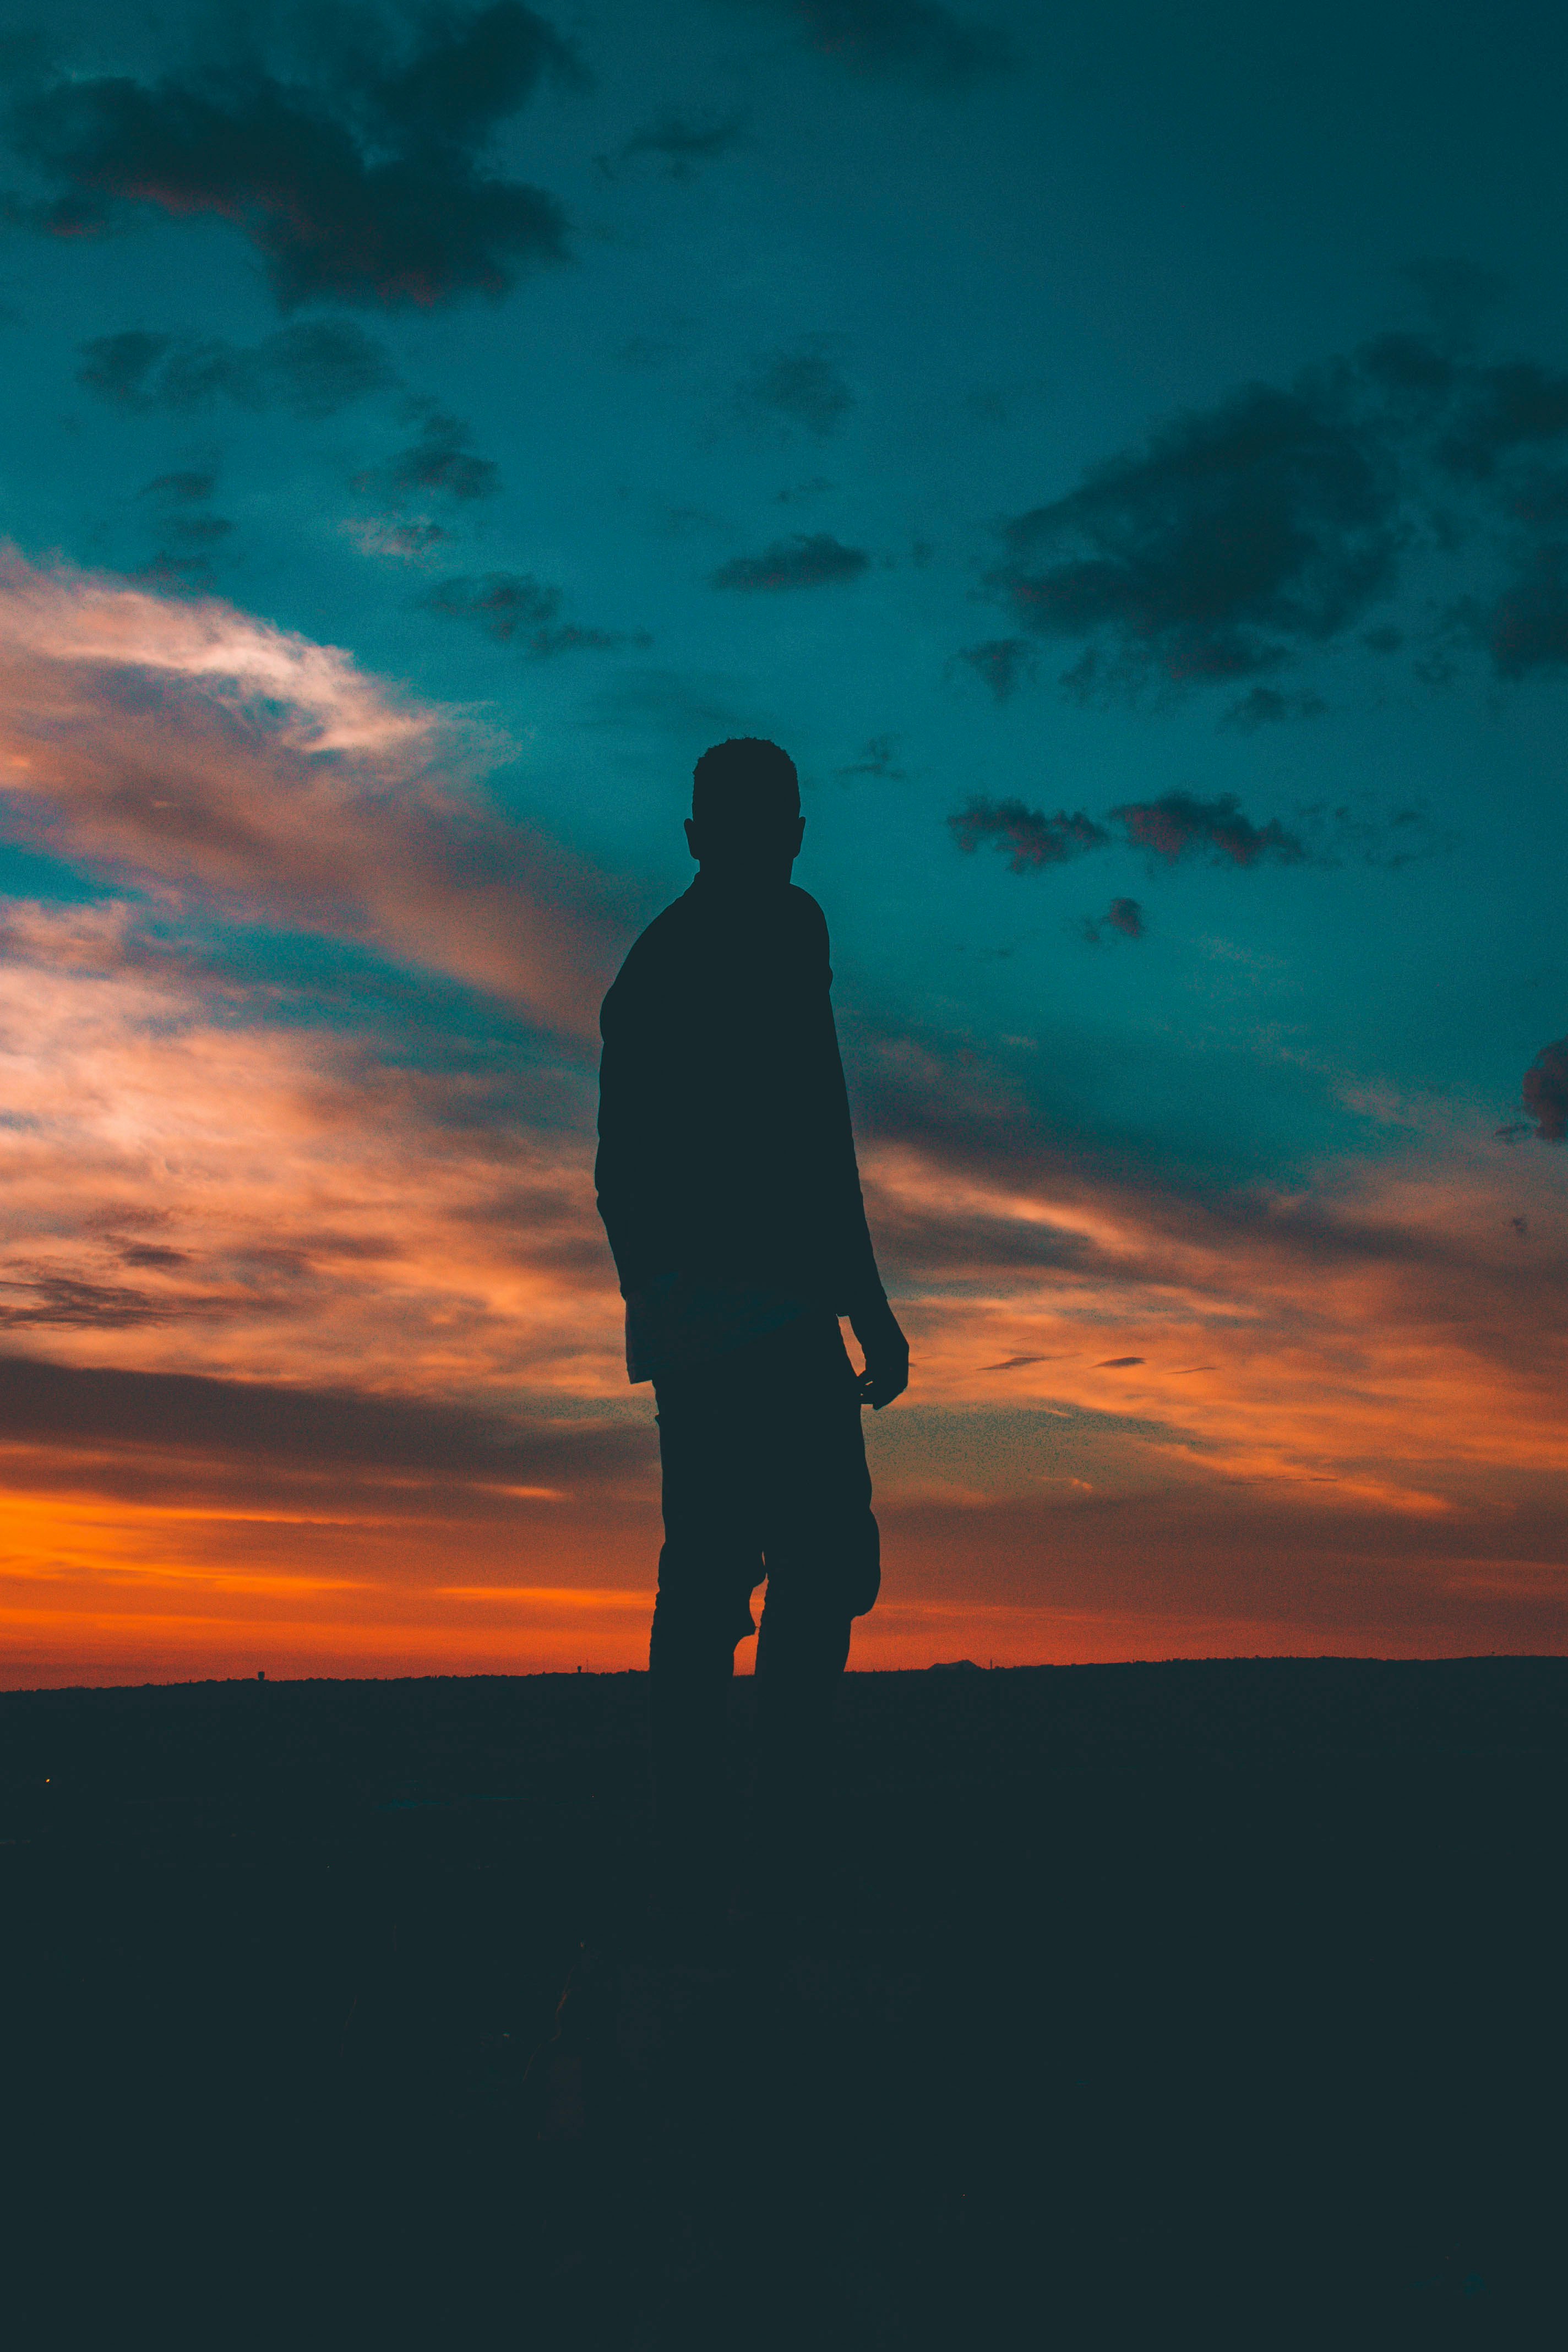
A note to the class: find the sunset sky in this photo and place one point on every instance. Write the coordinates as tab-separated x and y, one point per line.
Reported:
1123	455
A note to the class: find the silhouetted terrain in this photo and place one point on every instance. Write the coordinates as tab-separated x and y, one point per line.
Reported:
1218	2004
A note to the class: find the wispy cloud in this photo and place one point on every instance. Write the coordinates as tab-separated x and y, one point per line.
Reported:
193	747
314	367
1179	825
877	759
1004	664
1384	1343
678	141
814	559
515	609
437	462
802	387
1030	838
192	1185
912	41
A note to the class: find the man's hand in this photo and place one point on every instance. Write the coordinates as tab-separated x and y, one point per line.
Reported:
887	1353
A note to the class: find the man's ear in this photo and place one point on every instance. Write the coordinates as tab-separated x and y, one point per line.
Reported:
799	834
692	839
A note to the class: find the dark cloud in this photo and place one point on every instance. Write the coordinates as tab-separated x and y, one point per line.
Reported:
814	559
572	637
1545	1091
198	530
1117	1363
1014	1363
923	1240
1232	536
178	572
182	563
502	603
437	460
188	487
915	40
313	367
359	181
307	1428
53	1300
1503	409
877	759
1248	535
1264	706
1177	826
804	387
677	141
1124	916
1333	833
1004	663
1030	838
517	610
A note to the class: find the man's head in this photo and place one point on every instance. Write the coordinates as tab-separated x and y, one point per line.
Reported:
745	818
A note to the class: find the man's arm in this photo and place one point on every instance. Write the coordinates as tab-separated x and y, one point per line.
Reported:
632	1172
887	1354
872	1320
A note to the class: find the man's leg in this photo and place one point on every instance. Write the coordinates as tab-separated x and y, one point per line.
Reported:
823	1560
711	1561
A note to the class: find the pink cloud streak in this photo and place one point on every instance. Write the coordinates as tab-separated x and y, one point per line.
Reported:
196	749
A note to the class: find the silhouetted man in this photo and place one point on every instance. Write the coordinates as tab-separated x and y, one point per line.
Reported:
728	1186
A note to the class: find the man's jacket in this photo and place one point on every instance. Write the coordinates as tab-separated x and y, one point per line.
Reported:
725	1148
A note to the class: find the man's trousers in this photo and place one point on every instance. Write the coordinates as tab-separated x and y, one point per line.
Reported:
764	1476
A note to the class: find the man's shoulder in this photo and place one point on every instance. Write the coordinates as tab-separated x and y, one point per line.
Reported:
667	928
653	958
804	913
660	938
679	948
685	925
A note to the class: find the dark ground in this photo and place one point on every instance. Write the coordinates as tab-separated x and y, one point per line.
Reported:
1214	2005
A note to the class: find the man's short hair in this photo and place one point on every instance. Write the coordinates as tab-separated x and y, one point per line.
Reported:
745	789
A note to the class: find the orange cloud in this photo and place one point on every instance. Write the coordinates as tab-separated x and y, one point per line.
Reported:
191	746
1386	1345
184	1190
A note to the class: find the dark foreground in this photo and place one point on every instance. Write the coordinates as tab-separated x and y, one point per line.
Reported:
1212	2004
